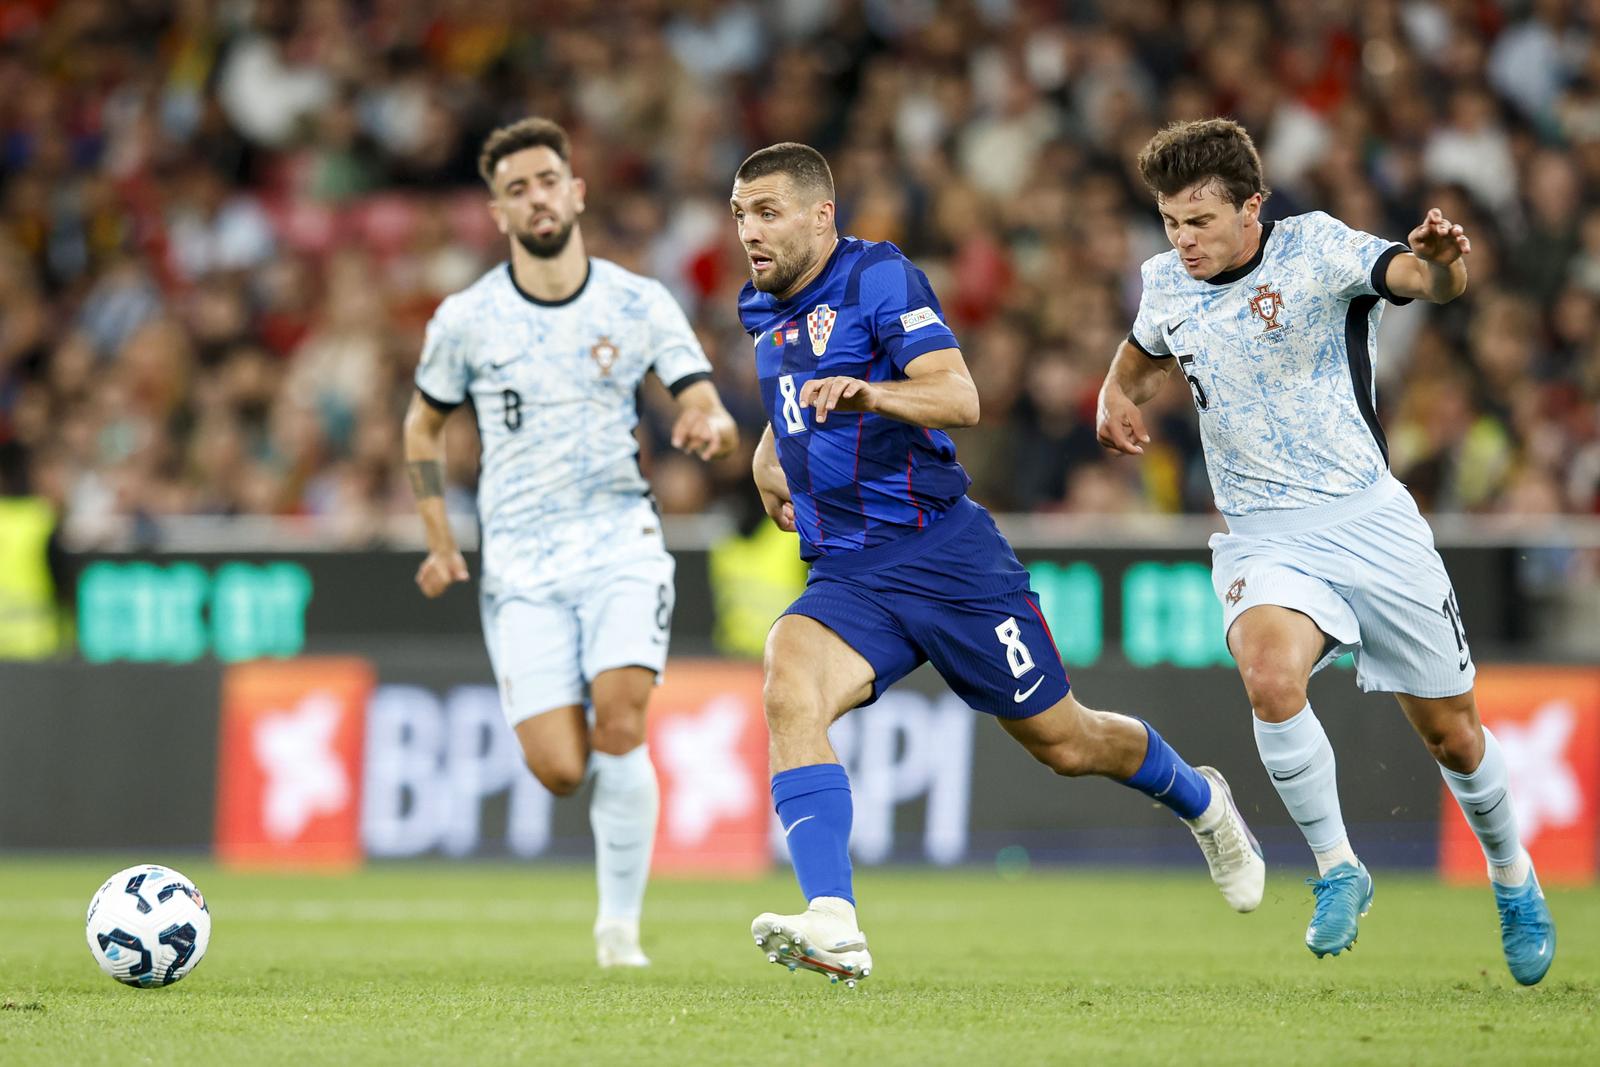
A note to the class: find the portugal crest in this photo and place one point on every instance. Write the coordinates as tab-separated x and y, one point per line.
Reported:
604	354
1267	303
819	324
1235	592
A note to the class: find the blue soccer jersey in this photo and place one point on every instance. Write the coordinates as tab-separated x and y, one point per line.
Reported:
857	480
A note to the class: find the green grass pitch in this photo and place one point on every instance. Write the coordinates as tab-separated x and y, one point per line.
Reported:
467	964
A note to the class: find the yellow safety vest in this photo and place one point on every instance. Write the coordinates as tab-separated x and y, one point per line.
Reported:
29	620
753	579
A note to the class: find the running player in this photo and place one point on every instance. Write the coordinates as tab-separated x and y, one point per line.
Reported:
1273	325
860	376
577	590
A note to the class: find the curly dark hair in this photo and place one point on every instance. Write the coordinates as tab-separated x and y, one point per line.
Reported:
1188	152
531	132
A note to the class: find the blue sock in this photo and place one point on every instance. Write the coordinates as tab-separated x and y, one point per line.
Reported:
814	806
1165	777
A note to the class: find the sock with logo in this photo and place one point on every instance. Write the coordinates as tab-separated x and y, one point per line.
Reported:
814	806
1300	762
622	811
1485	799
1164	776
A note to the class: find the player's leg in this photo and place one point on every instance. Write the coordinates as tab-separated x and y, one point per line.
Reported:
1277	649
1475	769
1414	644
1074	740
625	618
533	649
832	652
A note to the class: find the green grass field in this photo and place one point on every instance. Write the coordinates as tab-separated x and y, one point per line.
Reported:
492	964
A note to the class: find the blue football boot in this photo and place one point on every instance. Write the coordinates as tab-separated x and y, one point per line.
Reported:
1527	932
1343	895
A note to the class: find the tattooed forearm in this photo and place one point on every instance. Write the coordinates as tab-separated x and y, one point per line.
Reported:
427	478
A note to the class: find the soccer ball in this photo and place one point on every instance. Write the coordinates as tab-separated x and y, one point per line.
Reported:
148	926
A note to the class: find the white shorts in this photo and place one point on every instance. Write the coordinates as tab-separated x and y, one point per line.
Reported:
547	648
1365	570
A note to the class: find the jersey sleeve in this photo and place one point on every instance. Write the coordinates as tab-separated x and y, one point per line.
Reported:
678	359
1354	262
904	315
1146	334
443	372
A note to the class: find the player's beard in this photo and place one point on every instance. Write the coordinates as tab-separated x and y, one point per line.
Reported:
549	246
781	275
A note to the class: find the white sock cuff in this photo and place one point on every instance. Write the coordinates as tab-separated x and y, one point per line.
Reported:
1491	771
625	771
1291	742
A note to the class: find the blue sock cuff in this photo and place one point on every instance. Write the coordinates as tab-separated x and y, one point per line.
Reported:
814	778
1154	759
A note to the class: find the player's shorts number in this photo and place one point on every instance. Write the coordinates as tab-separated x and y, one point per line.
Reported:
1201	401
512	401
1018	658
793	420
663	607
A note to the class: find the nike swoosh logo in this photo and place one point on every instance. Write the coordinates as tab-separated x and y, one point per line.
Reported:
507	363
1276	777
787	830
623	845
1491	807
1177	326
1019	696
1462	665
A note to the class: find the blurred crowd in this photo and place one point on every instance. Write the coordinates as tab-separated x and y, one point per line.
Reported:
223	225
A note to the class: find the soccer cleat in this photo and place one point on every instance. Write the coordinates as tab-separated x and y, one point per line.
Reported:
1232	851
816	940
1343	896
1527	932
616	944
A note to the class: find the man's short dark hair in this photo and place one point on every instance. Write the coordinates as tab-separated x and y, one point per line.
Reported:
1188	152
803	164
532	132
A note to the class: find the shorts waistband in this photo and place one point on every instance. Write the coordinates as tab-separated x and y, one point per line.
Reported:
1302	520
903	548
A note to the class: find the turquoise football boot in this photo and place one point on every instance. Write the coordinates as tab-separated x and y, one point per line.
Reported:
1527	932
1343	895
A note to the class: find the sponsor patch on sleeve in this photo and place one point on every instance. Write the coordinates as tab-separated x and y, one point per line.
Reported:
916	320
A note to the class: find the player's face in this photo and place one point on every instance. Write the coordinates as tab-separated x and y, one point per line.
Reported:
783	232
536	201
1209	232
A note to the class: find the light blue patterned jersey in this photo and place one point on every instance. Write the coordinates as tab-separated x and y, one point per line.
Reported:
1278	354
554	386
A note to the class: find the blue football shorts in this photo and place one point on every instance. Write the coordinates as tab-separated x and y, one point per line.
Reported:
953	595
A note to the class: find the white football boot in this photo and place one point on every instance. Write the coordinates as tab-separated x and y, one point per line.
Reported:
1231	850
616	944
824	938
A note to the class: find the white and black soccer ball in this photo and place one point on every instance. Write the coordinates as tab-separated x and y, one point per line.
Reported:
148	926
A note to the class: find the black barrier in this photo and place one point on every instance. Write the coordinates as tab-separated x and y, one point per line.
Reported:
1145	607
123	756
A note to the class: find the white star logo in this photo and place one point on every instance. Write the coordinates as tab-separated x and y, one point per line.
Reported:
1542	780
305	776
709	780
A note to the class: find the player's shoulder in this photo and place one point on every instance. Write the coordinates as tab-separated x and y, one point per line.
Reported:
618	281
465	305
1308	228
873	269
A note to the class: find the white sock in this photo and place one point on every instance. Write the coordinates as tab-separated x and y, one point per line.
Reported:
1329	858
622	811
1485	799
1300	762
1211	818
838	907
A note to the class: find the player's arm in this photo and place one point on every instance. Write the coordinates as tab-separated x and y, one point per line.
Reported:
1134	379
772	483
1436	269
703	427
424	445
937	392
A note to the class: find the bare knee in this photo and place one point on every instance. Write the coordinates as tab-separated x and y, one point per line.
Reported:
1277	692
560	775
1456	743
618	730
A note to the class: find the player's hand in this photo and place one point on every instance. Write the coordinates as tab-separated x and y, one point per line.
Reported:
1118	424
1438	240
837	394
707	434
780	511
440	571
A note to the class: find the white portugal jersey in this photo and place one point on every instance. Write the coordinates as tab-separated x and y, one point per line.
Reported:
1278	354
553	385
